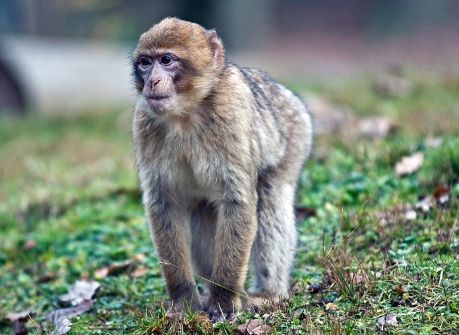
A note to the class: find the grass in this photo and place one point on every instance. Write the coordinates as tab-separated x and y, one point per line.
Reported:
69	206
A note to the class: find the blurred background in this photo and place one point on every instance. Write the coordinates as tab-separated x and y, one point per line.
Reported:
68	55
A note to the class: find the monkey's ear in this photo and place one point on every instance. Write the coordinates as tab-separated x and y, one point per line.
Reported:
217	49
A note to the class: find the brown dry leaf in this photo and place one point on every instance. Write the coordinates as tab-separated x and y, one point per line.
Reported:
331	307
387	320
409	164
440	191
400	289
19	320
80	291
139	271
377	126
118	267
441	194
253	327
29	244
70	312
102	272
139	257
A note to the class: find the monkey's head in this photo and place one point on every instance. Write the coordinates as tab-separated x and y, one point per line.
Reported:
176	63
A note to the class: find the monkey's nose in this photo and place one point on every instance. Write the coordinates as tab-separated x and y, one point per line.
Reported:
156	81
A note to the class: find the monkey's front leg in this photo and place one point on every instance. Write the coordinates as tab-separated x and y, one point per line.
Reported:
170	230
236	229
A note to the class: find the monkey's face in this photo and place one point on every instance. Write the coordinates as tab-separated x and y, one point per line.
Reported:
158	72
176	64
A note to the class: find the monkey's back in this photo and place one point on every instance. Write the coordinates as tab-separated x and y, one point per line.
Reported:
282	122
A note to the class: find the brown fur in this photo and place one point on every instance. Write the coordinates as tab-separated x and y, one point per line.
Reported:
218	161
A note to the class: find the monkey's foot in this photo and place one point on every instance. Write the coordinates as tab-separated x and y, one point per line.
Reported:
174	315
257	301
219	316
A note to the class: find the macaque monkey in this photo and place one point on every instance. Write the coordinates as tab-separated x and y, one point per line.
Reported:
218	150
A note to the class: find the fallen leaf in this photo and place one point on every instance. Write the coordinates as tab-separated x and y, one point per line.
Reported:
441	194
425	204
253	327
62	326
102	272
443	199
80	291
138	271
440	191
139	257
29	244
12	316
331	307
400	289
387	320
409	164
118	267
70	312
377	126
19	320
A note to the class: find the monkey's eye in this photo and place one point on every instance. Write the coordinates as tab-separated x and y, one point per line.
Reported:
144	61
166	60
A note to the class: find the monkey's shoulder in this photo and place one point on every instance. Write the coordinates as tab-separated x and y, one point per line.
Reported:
268	92
256	76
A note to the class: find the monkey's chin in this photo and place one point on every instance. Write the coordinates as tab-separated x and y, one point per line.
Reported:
159	106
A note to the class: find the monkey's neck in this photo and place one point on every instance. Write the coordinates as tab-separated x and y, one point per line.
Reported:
181	124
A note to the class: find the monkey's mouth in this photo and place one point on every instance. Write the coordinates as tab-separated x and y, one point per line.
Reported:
158	103
157	97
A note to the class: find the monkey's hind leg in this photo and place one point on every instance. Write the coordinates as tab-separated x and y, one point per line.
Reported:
274	247
203	223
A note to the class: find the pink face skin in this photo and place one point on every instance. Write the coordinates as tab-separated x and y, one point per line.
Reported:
158	71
